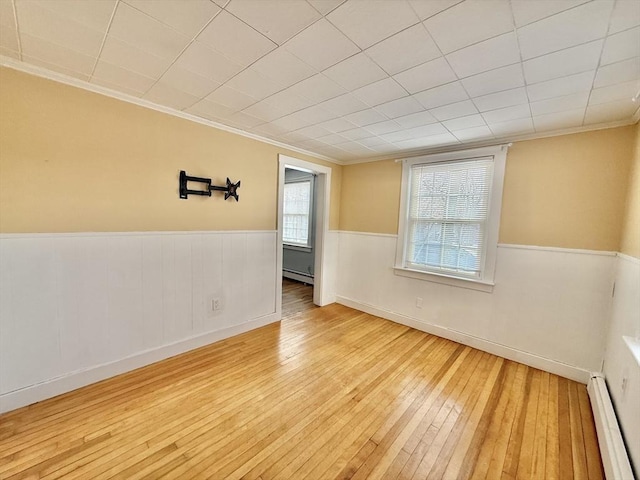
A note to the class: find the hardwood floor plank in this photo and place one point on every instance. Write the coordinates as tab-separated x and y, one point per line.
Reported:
327	393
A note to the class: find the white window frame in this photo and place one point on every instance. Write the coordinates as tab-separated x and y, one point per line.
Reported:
296	245
488	264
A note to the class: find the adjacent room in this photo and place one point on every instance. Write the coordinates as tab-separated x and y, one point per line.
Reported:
319	239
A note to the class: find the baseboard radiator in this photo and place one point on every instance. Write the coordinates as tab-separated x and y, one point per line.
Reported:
614	454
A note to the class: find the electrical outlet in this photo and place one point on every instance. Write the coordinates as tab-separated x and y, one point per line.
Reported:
418	302
215	304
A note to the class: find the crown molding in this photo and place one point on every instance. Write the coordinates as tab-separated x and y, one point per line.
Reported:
75	82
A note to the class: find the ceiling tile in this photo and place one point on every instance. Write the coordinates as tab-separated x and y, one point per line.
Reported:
567	62
454	110
337	125
429	141
365	117
55	28
200	59
9	38
610	112
379	92
283	67
470	22
344	104
372	142
508	113
230	97
278	19
65	71
472	134
612	93
557	121
558	87
313	131
426	9
367	23
618	72
481	57
291	122
188	21
120	77
626	14
425	76
57	55
398	136
221	3
111	86
188	82
355	134
136	28
404	50
493	81
314	114
92	13
211	110
317	88
507	98
321	45
127	56
462	123
14	54
416	120
235	39
560	104
252	83
164	94
355	72
520	126
332	139
400	107
573	27
325	6
621	46
426	130
526	11
278	105
244	121
443	95
380	128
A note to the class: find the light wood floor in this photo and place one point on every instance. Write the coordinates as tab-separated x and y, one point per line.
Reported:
330	393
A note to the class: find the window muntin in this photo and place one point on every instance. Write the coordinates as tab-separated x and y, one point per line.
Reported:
296	213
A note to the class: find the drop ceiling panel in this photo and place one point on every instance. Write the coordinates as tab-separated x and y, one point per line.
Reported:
354	79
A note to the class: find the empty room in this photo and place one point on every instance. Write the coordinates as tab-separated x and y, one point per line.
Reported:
320	239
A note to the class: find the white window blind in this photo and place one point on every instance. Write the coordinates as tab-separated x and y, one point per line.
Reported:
447	218
297	208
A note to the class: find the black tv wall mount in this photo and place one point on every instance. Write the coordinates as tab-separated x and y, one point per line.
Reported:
231	190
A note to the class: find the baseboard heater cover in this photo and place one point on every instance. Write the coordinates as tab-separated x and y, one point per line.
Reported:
612	449
300	277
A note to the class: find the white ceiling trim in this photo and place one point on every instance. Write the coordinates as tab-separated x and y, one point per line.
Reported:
75	82
61	78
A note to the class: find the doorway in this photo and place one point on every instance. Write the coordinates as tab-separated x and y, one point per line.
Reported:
301	249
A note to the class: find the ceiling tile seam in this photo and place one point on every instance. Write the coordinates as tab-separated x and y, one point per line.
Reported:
15	21
524	78
437	13
180	53
552	15
104	39
593	80
325	14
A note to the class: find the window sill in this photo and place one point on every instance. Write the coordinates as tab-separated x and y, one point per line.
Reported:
299	248
481	286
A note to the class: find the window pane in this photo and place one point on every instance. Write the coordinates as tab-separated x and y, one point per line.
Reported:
448	208
297	203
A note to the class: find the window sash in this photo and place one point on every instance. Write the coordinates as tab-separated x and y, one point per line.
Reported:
447	215
296	213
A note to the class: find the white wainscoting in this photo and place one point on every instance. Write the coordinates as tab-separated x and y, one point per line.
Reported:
548	309
78	308
621	367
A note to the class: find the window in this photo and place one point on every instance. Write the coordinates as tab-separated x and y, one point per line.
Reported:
297	209
450	213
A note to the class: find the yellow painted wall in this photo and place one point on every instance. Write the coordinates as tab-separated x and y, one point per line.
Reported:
567	191
630	243
75	161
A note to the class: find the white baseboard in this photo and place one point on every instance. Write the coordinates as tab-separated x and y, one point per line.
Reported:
57	386
612	449
546	364
297	276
